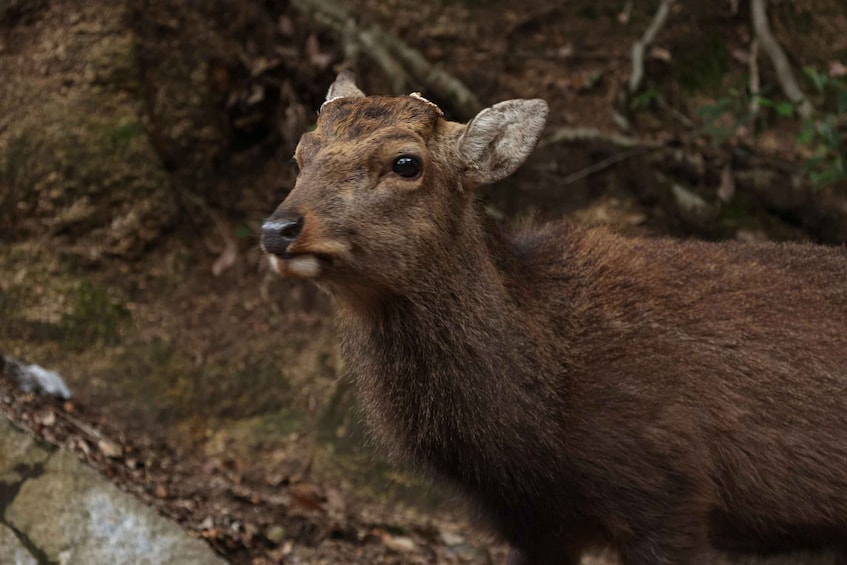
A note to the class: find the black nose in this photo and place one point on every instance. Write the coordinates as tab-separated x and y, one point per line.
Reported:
279	233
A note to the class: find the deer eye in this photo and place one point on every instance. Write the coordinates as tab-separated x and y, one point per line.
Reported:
407	166
294	165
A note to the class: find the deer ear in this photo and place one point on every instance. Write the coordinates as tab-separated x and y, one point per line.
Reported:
344	87
499	139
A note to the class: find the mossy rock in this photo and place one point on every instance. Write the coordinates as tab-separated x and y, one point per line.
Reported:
76	162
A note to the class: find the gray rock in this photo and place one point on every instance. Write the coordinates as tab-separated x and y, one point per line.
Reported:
12	551
73	515
35	378
18	451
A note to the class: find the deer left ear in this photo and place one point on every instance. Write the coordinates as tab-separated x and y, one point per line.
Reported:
343	87
499	139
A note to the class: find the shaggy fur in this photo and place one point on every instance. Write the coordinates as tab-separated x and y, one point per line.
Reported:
666	399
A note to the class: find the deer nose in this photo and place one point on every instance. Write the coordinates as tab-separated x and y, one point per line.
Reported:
278	234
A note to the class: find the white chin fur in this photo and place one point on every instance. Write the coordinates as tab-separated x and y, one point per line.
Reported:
304	266
274	263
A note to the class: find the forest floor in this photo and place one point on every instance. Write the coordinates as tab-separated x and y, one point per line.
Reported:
218	399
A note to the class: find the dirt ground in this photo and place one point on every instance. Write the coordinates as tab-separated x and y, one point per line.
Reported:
214	391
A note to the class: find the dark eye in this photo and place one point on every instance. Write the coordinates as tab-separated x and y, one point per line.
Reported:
294	165
407	166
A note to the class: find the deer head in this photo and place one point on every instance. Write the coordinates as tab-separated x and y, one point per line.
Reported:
385	184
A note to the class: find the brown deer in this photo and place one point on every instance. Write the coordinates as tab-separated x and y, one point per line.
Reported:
666	399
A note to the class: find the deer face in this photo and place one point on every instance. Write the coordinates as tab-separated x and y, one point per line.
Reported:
384	183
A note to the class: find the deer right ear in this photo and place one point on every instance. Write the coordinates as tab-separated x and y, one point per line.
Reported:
499	139
343	87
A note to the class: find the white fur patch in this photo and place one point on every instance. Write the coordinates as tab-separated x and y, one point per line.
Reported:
333	99
427	102
274	263
275	225
305	266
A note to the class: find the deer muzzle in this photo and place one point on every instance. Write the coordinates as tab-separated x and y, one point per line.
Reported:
279	233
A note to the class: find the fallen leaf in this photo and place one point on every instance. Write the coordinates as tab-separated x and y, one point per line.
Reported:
400	544
335	501
229	254
450	539
837	69
285	26
661	54
109	448
726	190
308	496
48	419
276	534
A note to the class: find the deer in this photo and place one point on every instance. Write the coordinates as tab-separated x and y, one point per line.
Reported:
668	400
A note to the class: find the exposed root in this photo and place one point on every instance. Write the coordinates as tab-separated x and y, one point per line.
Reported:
404	66
758	9
639	48
755	80
571	135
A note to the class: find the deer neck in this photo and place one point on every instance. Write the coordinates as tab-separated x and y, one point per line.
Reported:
428	361
463	285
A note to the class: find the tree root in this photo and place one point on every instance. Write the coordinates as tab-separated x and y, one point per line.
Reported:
758	9
755	84
404	66
573	135
639	48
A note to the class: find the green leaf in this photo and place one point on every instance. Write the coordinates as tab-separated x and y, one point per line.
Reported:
242	232
807	133
713	111
813	163
826	176
718	134
828	130
841	102
818	79
784	109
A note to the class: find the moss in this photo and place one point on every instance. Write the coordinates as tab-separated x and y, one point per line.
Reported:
17	182
114	63
121	134
258	433
588	12
14	10
10	301
168	385
740	207
95	319
84	167
702	68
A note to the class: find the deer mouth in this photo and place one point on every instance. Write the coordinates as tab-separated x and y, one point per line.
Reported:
301	265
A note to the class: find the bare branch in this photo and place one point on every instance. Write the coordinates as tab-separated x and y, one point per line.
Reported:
755	81
571	135
404	66
758	9
603	165
640	47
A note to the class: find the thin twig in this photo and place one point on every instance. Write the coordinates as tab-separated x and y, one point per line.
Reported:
404	66
755	81
640	46
603	165
570	135
682	118
626	13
